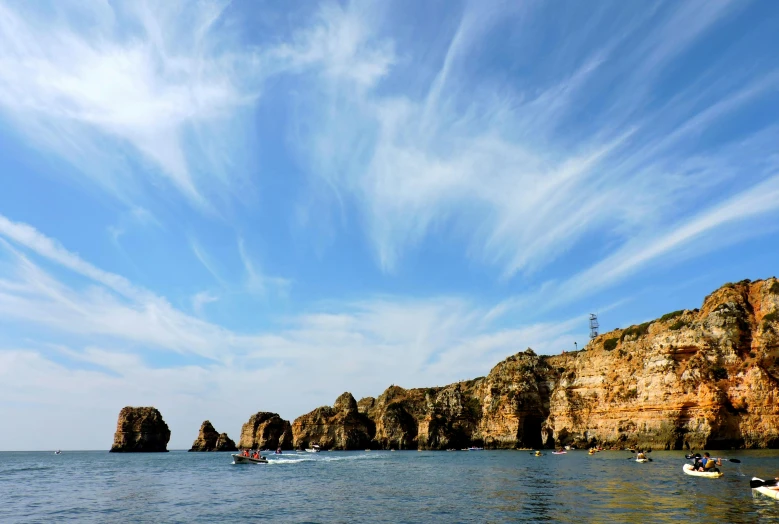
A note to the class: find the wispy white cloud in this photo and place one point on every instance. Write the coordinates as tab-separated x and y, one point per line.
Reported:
205	259
753	211
86	89
335	45
201	299
498	169
256	280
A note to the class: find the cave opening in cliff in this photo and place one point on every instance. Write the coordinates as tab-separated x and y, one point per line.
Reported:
531	432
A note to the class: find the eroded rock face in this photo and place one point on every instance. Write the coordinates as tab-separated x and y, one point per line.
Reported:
339	427
209	440
266	430
140	430
691	379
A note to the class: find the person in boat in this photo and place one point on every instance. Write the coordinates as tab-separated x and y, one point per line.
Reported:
640	455
709	464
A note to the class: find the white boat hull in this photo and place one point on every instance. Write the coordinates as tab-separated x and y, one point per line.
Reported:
772	492
240	459
642	460
687	468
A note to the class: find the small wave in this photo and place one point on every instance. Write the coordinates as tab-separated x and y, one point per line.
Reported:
13	471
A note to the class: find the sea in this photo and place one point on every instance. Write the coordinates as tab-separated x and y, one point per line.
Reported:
380	486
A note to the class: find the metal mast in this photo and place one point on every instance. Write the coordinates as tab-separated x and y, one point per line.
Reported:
593	325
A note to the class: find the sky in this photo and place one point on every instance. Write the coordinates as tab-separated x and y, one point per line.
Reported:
219	208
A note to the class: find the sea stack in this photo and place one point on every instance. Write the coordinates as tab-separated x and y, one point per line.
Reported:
266	430
209	440
140	430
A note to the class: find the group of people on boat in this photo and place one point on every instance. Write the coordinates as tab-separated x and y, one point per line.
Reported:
251	454
706	463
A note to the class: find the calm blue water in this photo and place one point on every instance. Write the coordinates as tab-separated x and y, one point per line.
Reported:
403	486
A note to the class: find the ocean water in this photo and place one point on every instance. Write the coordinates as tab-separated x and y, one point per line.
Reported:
379	486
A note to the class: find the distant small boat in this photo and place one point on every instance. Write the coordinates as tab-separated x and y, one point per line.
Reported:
314	449
243	459
278	451
474	448
559	452
58	452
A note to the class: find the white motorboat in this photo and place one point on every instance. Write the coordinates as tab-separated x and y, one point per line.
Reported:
243	459
314	449
58	452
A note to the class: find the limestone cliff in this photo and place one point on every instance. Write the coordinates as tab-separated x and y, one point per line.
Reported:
339	427
266	431
698	378
209	439
691	379
140	430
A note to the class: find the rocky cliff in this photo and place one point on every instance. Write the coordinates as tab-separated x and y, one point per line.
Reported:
208	439
690	379
140	430
266	431
699	378
342	426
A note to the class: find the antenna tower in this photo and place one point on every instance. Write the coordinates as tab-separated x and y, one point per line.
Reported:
593	325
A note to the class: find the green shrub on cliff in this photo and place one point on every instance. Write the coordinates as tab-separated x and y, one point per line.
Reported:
636	331
774	288
669	316
768	319
610	343
679	324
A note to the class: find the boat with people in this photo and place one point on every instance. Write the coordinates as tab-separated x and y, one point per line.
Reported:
765	487
248	457
314	449
474	448
690	470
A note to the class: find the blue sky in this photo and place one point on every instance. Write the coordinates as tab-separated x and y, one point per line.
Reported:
219	208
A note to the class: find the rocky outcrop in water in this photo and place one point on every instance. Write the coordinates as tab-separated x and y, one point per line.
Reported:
208	439
698	378
339	427
140	430
266	431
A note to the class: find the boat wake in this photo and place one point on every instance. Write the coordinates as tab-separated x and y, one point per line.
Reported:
309	458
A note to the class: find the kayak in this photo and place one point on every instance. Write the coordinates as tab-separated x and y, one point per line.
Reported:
709	474
772	492
642	460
